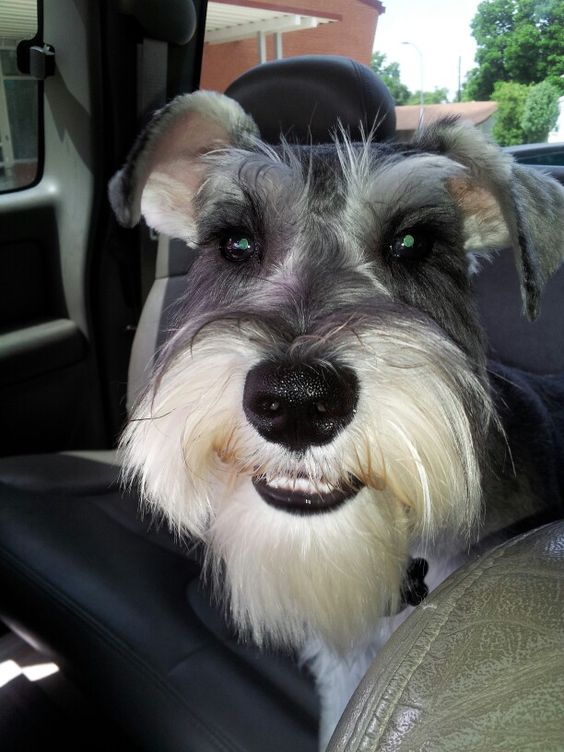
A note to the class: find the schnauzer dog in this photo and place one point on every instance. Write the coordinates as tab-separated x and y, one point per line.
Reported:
323	414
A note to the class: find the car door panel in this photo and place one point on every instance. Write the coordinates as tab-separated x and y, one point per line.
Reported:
49	393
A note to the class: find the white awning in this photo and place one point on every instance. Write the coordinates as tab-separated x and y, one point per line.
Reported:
18	19
228	22
225	22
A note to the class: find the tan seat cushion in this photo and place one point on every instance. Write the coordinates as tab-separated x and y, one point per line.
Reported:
478	667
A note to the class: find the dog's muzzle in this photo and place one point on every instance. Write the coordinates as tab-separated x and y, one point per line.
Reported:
298	406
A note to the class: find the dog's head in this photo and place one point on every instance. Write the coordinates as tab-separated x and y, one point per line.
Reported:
323	400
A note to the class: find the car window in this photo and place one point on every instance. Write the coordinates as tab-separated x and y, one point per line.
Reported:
19	135
500	66
242	34
547	157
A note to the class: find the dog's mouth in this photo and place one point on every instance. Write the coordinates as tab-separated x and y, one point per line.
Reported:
302	496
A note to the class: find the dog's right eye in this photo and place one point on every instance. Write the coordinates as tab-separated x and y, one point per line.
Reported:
411	245
237	246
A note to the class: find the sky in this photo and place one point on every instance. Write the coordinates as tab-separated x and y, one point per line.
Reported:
440	29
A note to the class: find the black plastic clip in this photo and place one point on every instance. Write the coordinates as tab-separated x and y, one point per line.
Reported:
414	589
37	60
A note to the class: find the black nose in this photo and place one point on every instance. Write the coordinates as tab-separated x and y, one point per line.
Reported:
300	405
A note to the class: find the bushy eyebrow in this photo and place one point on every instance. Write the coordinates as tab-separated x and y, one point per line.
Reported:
421	214
243	187
243	210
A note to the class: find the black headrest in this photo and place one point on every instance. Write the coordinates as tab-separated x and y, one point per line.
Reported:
304	98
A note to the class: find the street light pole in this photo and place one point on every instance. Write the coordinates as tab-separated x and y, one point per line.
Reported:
421	97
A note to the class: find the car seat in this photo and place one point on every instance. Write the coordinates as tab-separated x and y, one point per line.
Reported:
478	667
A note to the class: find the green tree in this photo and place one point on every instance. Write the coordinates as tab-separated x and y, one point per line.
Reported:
540	112
517	40
390	75
437	96
511	99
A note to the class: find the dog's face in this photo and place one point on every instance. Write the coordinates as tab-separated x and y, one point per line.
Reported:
323	401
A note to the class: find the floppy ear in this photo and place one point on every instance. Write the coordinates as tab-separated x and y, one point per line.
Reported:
504	204
165	167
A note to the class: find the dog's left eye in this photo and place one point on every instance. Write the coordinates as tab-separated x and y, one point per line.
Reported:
411	245
237	246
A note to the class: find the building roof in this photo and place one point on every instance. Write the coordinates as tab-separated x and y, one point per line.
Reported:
231	20
376	4
407	116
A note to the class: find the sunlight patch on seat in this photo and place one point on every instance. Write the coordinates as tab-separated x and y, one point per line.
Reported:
10	670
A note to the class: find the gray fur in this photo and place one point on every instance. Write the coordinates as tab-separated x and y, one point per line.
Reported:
126	187
526	198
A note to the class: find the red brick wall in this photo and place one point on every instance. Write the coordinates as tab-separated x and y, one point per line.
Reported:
352	37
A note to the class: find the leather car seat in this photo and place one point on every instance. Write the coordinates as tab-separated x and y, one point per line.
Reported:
478	667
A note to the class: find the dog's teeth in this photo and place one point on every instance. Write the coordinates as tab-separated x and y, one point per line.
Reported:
300	485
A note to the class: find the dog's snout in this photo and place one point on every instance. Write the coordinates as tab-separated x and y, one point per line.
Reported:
300	405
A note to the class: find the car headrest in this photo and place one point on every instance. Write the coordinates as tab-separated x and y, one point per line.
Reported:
305	98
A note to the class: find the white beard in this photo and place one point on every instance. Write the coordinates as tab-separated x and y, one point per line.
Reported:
285	577
289	576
